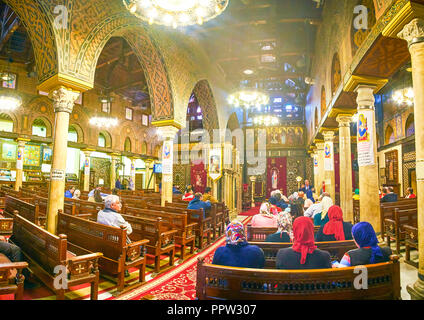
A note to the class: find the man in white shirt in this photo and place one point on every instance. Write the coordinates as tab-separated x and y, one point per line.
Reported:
316	207
110	216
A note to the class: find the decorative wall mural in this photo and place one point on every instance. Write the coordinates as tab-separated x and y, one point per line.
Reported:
285	137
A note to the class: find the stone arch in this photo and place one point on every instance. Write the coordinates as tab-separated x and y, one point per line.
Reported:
336	73
37	18
108	138
206	100
410	125
46	123
127	145
389	135
10	115
80	132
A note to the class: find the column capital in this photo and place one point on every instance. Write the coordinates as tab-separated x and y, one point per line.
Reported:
413	32
354	82
252	178
365	98
328	135
63	99
344	120
320	146
167	132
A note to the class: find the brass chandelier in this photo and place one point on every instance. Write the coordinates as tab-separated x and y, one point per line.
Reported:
249	98
176	13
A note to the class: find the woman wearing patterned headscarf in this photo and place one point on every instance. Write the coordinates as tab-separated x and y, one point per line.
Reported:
368	251
336	229
285	229
303	254
322	219
264	219
238	252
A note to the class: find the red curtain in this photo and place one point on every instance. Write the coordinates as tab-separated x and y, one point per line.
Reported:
199	177
276	172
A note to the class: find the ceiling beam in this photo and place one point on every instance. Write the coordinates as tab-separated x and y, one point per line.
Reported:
127	54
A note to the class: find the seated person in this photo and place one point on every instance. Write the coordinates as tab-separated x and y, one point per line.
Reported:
189	194
303	254
96	197
321	218
356	195
77	194
238	252
110	215
176	190
273	206
410	193
335	229
264	219
285	229
207	196
91	193
70	192
316	207
368	251
198	203
390	196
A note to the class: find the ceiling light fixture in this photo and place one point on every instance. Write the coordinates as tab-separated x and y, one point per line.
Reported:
248	71
248	98
404	96
267	120
176	13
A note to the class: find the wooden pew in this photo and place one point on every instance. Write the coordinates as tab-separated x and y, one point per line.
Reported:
27	210
45	252
11	277
411	241
260	234
86	236
6	226
229	283
387	210
394	227
337	249
186	231
218	214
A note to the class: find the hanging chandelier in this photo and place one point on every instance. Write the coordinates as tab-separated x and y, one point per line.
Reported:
248	98
266	120
176	12
103	122
404	96
9	101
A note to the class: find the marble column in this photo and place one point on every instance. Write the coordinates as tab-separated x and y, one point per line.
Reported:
114	160
413	33
368	175
63	103
87	165
329	173
168	134
346	200
20	163
320	169
253	181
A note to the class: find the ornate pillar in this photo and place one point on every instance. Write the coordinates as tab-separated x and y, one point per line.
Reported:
414	34
132	173
63	103
87	165
346	200
114	160
367	158
320	169
329	173
253	180
20	162
168	134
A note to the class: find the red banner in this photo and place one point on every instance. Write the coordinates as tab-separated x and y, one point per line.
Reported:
199	178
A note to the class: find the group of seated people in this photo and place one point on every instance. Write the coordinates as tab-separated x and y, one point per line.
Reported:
94	195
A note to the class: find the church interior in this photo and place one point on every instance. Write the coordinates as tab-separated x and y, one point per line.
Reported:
162	149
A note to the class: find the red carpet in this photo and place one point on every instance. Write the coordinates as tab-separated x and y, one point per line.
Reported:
251	212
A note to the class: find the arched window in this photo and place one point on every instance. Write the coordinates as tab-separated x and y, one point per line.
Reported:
144	148
72	134
336	74
127	145
39	128
410	126
102	140
6	123
323	102
389	136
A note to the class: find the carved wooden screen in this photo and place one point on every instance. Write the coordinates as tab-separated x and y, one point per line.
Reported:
392	164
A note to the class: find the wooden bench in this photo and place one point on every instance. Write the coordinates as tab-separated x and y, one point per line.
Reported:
27	210
6	226
387	210
260	234
186	235
86	236
411	241
337	249
45	252
229	283
11	277
218	214
161	239
394	227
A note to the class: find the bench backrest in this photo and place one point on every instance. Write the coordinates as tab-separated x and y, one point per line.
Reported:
337	249
25	209
47	249
229	283
93	236
146	228
260	234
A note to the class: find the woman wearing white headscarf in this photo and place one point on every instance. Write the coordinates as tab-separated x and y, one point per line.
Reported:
321	219
264	218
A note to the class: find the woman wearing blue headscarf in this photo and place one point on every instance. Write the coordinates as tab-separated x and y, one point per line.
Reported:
368	252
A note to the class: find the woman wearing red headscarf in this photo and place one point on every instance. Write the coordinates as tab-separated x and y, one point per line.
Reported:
335	229
303	254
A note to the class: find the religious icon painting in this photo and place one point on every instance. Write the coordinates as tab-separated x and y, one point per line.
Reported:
215	163
362	128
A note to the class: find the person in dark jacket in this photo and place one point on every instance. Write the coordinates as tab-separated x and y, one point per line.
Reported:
197	203
237	251
368	252
285	228
70	192
303	254
390	196
335	229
